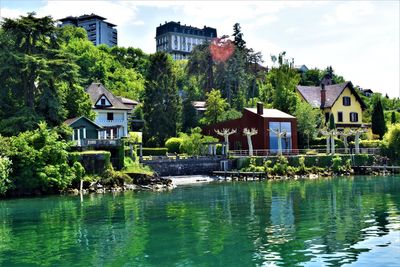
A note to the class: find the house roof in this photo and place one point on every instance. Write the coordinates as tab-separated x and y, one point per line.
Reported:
71	121
313	94
96	90
199	105
127	101
272	113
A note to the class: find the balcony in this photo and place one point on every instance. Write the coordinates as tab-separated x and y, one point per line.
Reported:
98	142
104	122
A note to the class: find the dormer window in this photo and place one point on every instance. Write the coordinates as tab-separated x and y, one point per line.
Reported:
346	101
103	102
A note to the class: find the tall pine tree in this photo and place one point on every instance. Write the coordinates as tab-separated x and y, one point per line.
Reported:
378	120
35	75
162	107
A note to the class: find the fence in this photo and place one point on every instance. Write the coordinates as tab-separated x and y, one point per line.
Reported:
289	152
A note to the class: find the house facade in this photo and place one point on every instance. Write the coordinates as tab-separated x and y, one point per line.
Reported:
266	122
179	40
83	128
112	112
341	100
98	30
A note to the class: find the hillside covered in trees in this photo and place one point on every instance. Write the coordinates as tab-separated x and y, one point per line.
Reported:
44	70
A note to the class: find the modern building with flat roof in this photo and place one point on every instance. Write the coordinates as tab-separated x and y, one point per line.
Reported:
99	31
179	40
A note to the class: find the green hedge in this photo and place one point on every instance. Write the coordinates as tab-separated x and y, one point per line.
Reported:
173	144
321	142
149	151
309	160
370	143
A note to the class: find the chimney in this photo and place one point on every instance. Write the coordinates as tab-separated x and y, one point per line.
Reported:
323	95
260	108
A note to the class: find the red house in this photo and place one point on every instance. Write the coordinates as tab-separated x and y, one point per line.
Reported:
263	120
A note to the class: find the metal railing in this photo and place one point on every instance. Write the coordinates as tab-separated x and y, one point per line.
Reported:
98	142
288	152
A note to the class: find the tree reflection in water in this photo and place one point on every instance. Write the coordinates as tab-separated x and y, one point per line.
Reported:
287	223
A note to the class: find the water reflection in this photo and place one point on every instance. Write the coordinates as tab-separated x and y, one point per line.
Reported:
329	222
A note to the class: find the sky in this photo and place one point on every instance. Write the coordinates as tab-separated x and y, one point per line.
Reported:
359	39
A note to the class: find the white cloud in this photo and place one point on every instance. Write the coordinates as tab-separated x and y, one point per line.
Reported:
349	12
117	12
11	13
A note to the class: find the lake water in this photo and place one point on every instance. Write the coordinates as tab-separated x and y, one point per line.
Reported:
324	222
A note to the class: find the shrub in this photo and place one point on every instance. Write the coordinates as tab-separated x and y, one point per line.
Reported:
337	164
302	166
193	144
219	149
391	142
161	151
40	161
133	166
280	166
370	143
112	178
320	142
5	170
173	144
79	171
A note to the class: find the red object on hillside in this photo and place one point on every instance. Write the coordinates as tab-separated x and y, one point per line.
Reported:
262	120
221	49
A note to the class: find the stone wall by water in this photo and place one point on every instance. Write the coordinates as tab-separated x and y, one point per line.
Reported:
192	166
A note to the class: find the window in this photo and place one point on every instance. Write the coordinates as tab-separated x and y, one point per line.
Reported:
353	116
340	116
346	101
103	102
286	139
110	116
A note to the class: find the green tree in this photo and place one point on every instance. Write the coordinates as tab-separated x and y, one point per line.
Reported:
230	114
391	142
215	105
36	75
331	73
201	64
311	77
189	115
131	58
40	161
282	81
332	124
116	68
308	121
192	144
161	103
378	119
393	118
239	42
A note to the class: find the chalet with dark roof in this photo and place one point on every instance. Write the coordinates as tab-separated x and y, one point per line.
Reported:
342	100
112	112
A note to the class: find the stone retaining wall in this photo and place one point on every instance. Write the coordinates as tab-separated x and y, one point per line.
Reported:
192	166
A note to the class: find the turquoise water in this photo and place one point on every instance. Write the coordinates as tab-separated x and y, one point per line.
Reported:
324	222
